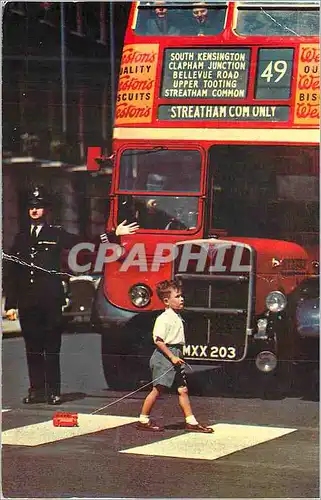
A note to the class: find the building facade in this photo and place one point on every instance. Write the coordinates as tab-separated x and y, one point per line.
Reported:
59	75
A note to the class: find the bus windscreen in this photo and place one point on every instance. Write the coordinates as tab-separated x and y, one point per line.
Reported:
160	170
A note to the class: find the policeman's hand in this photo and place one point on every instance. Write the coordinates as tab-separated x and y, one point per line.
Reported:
124	228
11	314
177	361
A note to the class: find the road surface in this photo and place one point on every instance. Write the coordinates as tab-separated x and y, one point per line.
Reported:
260	448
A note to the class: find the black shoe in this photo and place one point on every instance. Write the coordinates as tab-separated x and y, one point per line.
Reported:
54	399
34	397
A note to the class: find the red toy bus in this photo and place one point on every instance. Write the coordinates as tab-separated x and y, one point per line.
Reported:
215	155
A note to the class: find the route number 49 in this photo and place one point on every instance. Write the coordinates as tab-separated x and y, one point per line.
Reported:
275	71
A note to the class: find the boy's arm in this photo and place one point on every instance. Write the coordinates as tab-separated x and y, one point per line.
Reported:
163	347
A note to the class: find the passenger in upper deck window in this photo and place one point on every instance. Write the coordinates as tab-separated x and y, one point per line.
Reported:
159	23
200	24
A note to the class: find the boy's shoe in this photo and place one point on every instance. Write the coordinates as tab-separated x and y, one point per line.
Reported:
149	426
199	428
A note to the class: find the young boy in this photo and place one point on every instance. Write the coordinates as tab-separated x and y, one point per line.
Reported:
166	363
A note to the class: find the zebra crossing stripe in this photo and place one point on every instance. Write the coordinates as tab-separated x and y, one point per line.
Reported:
227	439
45	432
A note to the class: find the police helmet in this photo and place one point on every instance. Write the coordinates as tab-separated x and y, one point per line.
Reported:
38	198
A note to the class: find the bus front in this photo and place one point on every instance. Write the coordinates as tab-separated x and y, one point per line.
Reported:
215	150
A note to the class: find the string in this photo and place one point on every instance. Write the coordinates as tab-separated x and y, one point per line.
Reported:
13	258
136	390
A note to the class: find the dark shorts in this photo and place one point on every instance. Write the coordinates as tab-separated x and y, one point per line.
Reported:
164	372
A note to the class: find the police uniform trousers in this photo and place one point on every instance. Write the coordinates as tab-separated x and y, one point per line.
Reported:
41	326
39	296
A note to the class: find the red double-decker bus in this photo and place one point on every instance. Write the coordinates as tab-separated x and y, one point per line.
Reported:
215	155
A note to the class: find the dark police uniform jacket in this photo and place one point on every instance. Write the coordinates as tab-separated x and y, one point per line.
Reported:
28	286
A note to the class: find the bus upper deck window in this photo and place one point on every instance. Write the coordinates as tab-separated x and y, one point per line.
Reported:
281	21
202	20
166	20
157	20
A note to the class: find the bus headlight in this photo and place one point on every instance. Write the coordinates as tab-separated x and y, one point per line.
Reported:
140	295
275	301
266	361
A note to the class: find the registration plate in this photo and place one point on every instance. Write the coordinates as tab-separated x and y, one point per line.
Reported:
209	351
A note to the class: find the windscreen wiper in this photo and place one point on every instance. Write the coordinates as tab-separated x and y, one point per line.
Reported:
146	151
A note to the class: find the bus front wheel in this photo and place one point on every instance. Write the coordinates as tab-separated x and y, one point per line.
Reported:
124	371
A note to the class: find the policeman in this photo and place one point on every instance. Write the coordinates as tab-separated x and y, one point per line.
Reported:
36	290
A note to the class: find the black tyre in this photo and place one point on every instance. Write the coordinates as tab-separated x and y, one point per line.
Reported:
244	379
123	372
280	383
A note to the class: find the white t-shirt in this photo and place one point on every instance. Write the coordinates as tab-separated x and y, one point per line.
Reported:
169	327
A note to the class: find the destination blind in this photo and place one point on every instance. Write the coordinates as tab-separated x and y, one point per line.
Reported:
206	73
267	113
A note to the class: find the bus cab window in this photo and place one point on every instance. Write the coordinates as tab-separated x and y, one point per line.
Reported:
160	212
150	213
156	182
